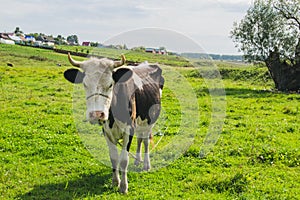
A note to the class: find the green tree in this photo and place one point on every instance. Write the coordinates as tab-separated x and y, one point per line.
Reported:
18	31
60	40
73	39
270	32
139	49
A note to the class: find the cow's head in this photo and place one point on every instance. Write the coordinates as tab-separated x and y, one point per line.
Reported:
98	77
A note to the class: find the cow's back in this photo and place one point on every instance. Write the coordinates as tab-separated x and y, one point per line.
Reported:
148	97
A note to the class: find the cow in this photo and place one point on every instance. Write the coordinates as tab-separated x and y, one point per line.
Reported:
125	100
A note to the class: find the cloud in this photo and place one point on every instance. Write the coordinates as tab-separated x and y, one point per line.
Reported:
156	37
97	20
234	5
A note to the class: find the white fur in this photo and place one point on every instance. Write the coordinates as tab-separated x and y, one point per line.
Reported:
98	78
112	135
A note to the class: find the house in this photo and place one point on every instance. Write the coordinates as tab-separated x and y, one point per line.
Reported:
46	41
156	51
86	44
29	38
50	44
150	50
6	41
49	39
40	38
37	43
5	35
11	38
16	39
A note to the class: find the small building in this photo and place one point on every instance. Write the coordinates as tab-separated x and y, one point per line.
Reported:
50	44
150	50
37	43
6	41
156	51
5	35
87	44
16	39
44	38
49	39
29	38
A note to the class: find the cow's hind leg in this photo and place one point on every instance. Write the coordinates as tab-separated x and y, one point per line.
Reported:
147	164
138	158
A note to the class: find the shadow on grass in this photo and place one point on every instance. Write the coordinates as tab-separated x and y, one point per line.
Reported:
85	186
248	93
236	92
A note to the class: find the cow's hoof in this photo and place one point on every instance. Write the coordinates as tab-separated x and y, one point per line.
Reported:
124	188
147	166
138	159
146	169
137	162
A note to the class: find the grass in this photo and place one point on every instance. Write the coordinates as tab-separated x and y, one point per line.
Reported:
43	156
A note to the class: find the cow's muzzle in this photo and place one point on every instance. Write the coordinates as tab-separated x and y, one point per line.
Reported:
96	117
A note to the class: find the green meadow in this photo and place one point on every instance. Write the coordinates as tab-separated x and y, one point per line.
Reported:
43	153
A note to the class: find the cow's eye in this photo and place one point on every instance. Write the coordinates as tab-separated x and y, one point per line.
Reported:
110	85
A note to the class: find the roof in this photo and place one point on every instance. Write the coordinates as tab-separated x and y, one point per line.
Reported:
85	43
15	38
150	49
5	35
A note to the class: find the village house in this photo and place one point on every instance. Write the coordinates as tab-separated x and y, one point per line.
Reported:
87	44
156	51
4	38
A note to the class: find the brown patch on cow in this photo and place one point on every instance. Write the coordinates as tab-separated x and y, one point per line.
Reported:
133	110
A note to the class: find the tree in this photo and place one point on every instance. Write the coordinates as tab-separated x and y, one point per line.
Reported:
72	39
270	32
18	31
60	40
94	44
139	49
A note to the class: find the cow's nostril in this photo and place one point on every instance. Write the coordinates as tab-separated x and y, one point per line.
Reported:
99	114
102	115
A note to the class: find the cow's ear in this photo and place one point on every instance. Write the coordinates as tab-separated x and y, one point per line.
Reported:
74	75
122	75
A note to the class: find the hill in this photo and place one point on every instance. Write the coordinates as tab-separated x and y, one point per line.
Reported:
213	56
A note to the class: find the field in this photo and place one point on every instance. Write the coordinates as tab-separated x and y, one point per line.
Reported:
44	156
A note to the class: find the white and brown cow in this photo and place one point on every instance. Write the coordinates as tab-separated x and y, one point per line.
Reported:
126	100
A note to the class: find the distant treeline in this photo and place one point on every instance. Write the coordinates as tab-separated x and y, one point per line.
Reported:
213	56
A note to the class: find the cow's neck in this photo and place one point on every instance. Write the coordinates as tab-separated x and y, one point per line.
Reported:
122	108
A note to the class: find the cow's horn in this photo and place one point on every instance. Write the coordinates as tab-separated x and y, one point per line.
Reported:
74	62
121	62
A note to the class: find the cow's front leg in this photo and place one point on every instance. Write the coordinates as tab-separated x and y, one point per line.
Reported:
113	154
147	164
123	166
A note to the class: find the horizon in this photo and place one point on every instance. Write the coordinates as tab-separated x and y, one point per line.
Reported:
127	38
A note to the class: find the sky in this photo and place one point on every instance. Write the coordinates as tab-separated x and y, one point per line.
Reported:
207	23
